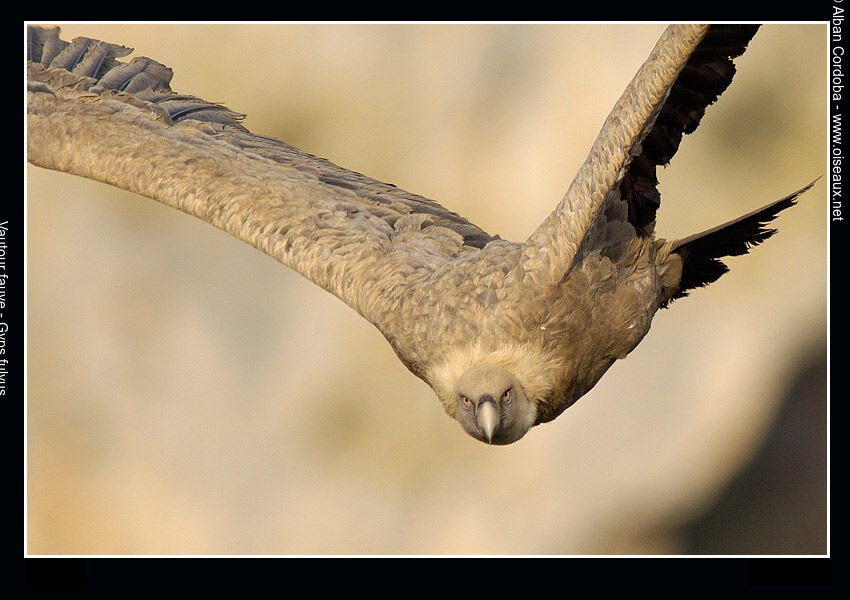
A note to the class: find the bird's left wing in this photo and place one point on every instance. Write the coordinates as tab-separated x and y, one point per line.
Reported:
614	195
119	122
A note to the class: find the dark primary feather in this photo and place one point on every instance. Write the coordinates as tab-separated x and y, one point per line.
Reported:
705	76
83	56
701	252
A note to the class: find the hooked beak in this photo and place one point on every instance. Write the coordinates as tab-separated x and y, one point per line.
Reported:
488	417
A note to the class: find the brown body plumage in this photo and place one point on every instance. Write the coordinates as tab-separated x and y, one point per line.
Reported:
553	312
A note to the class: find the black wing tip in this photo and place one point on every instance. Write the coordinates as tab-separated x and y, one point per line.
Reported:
705	76
702	253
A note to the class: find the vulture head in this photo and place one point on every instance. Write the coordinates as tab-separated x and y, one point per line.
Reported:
492	405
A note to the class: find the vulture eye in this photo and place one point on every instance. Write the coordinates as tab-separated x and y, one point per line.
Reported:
465	401
506	397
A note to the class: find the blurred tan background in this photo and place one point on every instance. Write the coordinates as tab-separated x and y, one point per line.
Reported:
188	394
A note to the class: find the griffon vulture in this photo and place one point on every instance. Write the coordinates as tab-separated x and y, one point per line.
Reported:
507	334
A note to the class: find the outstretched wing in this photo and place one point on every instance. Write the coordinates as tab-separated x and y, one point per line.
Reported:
93	115
707	73
614	195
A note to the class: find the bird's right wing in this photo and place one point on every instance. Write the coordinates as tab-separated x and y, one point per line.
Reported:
92	115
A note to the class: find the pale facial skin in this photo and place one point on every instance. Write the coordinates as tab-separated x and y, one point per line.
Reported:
492	406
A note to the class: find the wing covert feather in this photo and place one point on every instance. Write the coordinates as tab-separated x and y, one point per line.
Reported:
92	115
